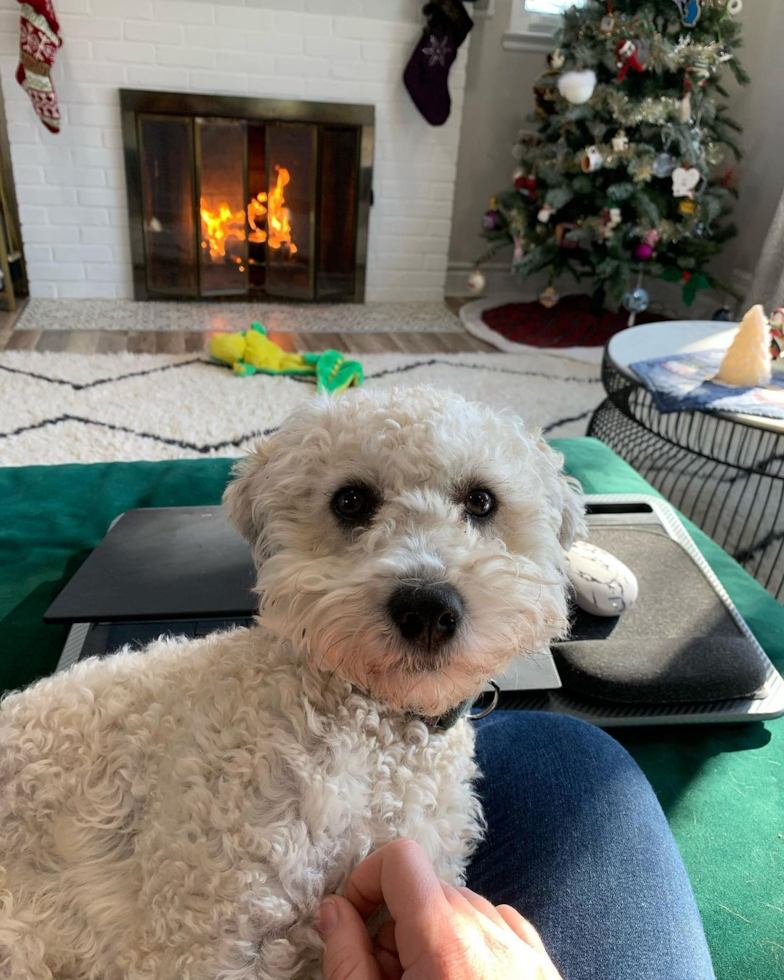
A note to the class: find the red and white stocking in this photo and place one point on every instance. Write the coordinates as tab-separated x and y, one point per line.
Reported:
39	39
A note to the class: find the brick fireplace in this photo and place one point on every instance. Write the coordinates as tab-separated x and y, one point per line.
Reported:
72	188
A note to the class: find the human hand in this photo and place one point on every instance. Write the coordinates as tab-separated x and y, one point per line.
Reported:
436	931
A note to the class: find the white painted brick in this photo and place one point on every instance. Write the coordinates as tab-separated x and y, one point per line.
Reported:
78	49
397	54
175	12
17	106
112	139
87	290
9	44
79	216
162	78
56	271
287	22
38	253
72	7
25	153
50	235
94	27
100	236
127	9
257	44
343	91
276	4
409	261
52	196
404	226
82	253
32	176
23	132
115	178
89	177
90	156
344	8
303	67
86	71
135	51
186	57
220	38
104	273
42	290
97	196
153	33
93	115
394	10
218	81
437	263
363	71
332	47
243	19
278	86
371	30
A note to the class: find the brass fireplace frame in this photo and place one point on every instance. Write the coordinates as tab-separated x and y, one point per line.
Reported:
136	103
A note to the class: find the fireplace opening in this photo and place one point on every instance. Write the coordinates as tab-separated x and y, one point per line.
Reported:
237	197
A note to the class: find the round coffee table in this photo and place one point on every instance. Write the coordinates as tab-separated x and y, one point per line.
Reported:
724	471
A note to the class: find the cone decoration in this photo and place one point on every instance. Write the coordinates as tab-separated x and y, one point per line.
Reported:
747	362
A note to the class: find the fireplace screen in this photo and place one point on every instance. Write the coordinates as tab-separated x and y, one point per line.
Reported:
247	197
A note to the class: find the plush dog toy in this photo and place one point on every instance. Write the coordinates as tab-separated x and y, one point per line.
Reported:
251	350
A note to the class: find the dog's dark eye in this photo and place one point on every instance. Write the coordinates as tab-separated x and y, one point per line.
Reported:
480	503
354	504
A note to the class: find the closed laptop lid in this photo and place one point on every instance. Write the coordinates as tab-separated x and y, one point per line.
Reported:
162	563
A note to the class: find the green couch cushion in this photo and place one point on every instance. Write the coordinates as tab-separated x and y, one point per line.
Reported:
722	787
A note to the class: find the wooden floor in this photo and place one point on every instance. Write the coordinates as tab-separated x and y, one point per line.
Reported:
172	342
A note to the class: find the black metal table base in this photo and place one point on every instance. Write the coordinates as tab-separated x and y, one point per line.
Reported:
724	475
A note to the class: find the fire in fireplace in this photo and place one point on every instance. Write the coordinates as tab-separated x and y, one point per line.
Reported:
247	197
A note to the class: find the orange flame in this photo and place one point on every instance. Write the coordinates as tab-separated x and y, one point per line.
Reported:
221	224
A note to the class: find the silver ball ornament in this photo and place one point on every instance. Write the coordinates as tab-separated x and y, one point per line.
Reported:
476	282
636	300
663	165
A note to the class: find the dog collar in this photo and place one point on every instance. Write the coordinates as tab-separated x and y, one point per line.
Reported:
450	718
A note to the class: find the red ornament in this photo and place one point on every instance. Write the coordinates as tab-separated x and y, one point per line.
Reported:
526	185
626	58
686	276
560	235
643	252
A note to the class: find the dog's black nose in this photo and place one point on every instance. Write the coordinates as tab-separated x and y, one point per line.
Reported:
426	614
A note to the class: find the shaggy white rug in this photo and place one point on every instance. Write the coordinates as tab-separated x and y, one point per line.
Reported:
79	408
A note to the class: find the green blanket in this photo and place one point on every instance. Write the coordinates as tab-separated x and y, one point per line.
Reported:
722	787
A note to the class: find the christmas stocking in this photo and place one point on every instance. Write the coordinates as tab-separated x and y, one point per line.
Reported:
426	73
39	40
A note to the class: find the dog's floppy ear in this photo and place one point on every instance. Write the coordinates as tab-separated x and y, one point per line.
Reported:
566	493
241	496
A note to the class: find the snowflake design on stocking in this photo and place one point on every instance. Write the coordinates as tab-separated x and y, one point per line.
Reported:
36	44
437	51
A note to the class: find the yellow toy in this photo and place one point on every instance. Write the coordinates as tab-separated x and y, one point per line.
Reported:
251	350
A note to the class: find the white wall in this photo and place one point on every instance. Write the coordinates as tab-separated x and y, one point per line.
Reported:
71	186
498	98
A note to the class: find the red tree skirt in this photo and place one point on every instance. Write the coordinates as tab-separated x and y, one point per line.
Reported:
570	323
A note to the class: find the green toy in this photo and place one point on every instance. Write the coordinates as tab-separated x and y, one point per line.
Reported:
251	350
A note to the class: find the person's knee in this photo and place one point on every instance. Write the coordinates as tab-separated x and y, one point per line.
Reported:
550	752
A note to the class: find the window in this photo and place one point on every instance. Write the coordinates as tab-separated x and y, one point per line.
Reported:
533	23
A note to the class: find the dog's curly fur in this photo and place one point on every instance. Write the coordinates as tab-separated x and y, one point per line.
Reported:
178	813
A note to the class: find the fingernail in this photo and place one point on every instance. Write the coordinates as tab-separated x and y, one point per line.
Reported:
328	918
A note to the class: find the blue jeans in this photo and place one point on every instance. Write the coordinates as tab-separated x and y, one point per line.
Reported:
578	844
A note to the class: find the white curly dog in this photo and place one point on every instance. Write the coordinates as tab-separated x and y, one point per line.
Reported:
178	813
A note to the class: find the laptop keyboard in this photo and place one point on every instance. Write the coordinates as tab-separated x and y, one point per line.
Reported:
105	638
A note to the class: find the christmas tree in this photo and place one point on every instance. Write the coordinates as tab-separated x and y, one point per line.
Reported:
628	173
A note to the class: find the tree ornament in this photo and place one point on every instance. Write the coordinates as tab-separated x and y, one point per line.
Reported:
556	59
606	24
476	282
651	237
561	230
636	300
690	11
548	297
684	109
626	58
734	7
518	249
747	362
545	213
591	160
684	181
687	206
643	252
620	141
663	164
525	183
545	99
492	219
577	86
609	219
723	54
